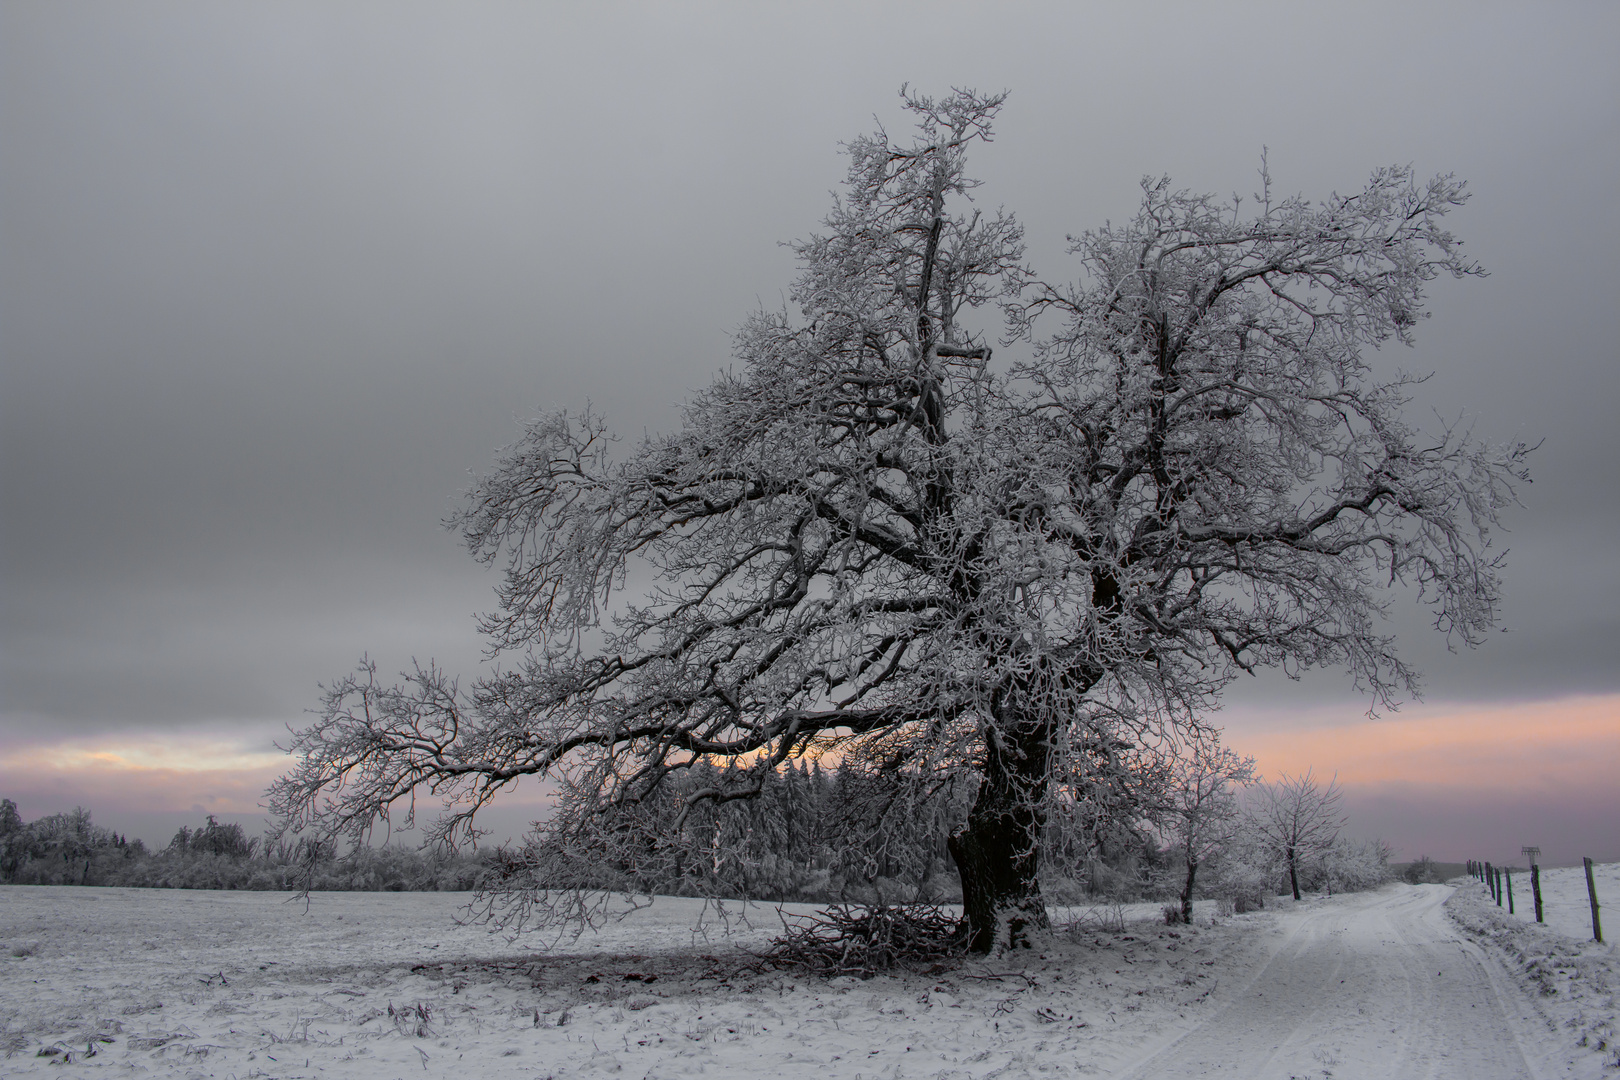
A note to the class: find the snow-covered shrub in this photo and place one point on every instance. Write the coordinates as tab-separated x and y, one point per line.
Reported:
1066	891
1424	871
1244	875
1352	866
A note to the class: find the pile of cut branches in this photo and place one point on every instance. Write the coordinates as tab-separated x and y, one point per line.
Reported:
854	939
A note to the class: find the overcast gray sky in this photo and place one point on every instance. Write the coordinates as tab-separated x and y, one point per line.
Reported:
274	277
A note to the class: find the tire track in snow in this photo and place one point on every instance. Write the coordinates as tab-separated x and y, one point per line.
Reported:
1376	985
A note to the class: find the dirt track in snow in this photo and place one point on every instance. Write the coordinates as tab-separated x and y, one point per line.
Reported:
1377	985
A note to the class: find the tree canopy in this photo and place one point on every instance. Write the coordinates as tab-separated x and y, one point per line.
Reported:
876	538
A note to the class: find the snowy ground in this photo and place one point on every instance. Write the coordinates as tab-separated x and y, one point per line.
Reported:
1564	901
1571	982
200	984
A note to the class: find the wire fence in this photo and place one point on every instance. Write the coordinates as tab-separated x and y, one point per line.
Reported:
1499	880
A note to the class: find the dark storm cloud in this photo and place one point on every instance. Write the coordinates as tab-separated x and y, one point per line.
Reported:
272	278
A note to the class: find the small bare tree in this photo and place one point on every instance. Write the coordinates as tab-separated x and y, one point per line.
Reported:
1201	815
1298	819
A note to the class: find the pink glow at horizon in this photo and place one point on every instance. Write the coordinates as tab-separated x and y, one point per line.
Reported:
1448	780
1543	745
1459	781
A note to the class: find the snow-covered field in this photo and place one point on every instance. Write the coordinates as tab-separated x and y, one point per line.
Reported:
1564	901
200	984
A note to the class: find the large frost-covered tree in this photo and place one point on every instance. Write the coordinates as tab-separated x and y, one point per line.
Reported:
875	540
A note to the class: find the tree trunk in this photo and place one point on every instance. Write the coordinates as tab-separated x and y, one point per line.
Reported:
1187	891
1293	873
997	851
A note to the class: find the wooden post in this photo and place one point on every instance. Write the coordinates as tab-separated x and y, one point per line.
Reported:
1591	894
1490	878
1535	887
1510	891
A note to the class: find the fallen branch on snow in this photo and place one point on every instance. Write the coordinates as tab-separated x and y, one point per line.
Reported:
859	940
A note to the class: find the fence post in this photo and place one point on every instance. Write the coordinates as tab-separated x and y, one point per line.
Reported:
1510	891
1490	878
1535	887
1591	894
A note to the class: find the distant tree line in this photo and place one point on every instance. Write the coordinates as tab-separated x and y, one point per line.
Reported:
70	849
1136	829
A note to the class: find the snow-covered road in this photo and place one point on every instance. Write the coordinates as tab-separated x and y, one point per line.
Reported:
1376	985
